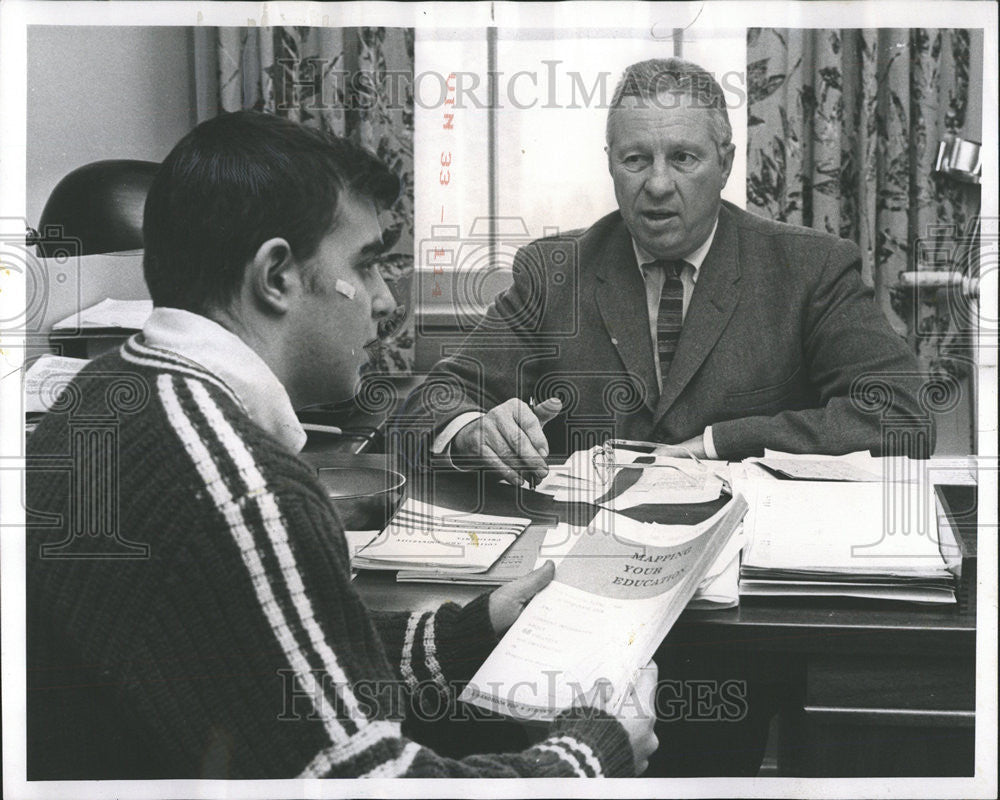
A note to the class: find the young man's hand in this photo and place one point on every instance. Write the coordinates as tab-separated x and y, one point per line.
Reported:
507	602
637	714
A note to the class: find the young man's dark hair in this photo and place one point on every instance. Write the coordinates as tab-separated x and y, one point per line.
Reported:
236	181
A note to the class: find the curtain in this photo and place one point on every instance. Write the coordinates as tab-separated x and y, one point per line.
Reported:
353	82
843	132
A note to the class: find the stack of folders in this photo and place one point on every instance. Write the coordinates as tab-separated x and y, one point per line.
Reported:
425	540
875	540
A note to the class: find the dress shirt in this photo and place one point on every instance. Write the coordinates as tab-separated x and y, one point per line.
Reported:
653	280
654	284
206	343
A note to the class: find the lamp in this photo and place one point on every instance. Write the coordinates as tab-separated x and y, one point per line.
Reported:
98	207
960	159
93	218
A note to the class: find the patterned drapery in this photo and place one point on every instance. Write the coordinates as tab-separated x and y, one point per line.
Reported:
843	131
354	82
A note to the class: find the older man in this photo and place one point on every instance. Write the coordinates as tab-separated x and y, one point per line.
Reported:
215	631
677	318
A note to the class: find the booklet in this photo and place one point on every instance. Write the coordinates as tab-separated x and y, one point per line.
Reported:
425	537
616	593
518	560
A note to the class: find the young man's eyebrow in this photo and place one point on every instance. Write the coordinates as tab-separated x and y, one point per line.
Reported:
372	248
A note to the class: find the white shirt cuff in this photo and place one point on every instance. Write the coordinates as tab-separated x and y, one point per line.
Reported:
442	442
709	443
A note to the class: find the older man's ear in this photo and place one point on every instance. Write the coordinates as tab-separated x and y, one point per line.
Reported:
726	157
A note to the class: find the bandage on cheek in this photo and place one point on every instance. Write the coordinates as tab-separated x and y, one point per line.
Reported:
345	288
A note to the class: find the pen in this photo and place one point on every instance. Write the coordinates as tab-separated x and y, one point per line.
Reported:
532	480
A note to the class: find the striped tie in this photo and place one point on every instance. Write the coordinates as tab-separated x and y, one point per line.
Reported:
671	314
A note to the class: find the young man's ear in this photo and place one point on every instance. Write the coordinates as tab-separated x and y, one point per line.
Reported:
273	275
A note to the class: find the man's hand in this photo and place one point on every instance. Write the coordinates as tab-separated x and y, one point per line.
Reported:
507	439
695	446
507	602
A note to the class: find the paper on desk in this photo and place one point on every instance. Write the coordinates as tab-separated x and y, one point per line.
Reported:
109	313
953	470
357	540
863	466
667	480
576	477
721	587
831	528
859	466
422	536
45	379
905	592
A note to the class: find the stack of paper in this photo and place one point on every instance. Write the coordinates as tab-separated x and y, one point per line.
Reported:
863	466
427	538
871	540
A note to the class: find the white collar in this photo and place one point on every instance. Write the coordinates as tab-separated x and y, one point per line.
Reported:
695	259
229	358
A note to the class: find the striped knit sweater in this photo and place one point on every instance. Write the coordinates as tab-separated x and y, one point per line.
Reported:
230	643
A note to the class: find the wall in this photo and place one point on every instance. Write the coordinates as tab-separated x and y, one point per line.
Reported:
102	93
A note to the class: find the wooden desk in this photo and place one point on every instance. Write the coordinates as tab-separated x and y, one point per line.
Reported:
870	689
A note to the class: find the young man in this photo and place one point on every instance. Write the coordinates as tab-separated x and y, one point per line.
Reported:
214	631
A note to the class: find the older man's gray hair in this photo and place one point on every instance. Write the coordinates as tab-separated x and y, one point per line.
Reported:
650	80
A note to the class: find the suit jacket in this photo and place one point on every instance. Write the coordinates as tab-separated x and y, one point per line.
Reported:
782	347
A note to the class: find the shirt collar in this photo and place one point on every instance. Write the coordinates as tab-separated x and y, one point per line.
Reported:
229	358
695	259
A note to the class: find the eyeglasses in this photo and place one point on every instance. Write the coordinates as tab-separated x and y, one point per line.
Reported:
604	462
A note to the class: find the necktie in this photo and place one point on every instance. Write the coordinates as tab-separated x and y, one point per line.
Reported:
670	316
